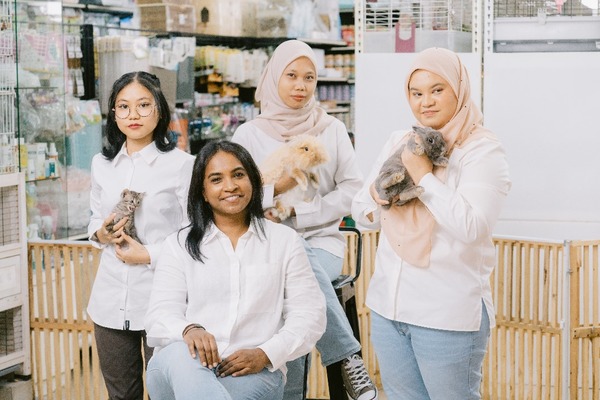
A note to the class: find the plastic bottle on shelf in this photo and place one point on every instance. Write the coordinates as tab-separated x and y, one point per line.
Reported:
31	161
23	154
52	161
40	160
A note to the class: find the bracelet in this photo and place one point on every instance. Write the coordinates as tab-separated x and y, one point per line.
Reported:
190	327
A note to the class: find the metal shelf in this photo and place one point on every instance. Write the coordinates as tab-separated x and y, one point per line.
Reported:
120	11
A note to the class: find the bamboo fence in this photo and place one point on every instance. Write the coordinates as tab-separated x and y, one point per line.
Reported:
546	344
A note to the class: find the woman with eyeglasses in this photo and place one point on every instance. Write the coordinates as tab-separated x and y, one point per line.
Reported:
139	155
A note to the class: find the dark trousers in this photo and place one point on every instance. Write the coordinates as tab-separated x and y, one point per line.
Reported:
122	362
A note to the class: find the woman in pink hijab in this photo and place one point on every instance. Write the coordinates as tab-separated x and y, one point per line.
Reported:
288	108
430	293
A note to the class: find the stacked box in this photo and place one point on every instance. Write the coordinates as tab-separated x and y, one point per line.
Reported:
154	2
168	17
226	17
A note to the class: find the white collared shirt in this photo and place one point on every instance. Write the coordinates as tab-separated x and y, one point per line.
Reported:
317	221
261	294
120	293
449	293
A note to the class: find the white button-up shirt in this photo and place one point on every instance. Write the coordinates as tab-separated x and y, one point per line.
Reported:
449	293
120	293
317	221
261	294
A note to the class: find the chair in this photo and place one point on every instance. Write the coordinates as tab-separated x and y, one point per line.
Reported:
344	288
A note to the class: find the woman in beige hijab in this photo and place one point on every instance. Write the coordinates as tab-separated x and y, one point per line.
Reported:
430	293
288	108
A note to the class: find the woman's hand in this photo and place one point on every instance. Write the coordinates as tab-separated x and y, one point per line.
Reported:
268	213
376	197
285	183
130	251
105	235
243	362
416	166
201	342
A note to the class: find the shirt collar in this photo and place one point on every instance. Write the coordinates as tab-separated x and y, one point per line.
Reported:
212	232
148	153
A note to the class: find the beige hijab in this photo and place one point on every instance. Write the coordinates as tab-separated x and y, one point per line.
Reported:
409	228
276	119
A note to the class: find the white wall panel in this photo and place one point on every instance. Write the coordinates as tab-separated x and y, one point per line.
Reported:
545	109
381	105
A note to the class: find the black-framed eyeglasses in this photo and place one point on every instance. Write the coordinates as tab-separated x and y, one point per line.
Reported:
122	111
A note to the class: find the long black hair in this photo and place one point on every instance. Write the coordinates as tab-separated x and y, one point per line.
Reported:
116	138
200	212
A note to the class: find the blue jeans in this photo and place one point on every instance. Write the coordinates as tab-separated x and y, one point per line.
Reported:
338	341
173	374
419	363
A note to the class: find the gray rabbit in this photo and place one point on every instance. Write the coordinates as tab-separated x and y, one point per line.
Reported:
393	180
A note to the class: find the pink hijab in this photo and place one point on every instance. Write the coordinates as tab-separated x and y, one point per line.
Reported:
409	228
276	119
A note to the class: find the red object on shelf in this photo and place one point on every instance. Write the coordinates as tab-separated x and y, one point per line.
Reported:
405	36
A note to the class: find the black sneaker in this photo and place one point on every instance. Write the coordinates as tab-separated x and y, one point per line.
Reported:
356	379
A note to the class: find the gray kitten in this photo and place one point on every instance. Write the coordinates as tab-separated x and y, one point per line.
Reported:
126	207
394	181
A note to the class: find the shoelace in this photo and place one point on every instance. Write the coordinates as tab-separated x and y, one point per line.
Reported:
357	373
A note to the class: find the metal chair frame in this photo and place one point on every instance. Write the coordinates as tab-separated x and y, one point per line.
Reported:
344	288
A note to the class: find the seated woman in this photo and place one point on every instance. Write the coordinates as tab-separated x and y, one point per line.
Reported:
234	297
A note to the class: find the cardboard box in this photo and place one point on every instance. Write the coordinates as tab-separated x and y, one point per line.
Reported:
140	2
168	17
178	85
226	17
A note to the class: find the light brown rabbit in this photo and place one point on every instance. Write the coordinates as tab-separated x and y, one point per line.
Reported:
300	158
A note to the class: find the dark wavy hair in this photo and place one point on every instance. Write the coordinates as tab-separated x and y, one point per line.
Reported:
115	138
200	212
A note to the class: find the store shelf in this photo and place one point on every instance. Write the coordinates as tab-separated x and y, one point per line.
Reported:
338	110
323	43
326	79
346	49
119	11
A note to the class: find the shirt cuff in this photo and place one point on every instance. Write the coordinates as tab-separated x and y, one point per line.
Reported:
431	184
268	194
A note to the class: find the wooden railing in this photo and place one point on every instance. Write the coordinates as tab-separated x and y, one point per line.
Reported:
525	354
64	359
546	344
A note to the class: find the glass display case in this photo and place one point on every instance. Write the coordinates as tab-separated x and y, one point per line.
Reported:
58	132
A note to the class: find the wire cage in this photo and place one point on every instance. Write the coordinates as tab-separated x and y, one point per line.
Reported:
8	142
428	15
410	26
533	8
11	325
9	216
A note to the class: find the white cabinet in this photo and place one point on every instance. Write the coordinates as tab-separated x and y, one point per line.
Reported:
14	293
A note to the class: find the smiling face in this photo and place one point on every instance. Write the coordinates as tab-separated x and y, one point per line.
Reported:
431	99
138	129
227	187
297	83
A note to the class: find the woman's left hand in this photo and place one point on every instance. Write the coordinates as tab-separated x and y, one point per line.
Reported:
243	362
268	213
416	166
131	252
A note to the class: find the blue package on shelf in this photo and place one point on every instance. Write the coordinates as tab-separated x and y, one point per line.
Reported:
81	146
